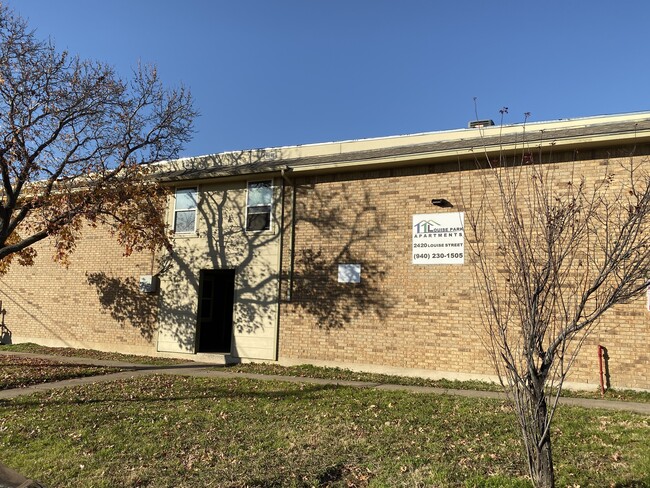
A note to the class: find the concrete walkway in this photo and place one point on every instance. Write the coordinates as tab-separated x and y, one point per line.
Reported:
203	370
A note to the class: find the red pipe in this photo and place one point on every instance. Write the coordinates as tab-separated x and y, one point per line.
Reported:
600	364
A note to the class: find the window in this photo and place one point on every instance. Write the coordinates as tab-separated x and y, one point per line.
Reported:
185	210
258	205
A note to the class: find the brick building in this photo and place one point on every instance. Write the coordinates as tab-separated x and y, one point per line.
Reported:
306	254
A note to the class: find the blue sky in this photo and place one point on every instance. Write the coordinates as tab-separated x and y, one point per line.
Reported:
282	72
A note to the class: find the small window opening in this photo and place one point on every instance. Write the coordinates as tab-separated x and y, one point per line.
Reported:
258	205
185	210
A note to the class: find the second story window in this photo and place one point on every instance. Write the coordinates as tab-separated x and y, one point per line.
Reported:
259	200
185	210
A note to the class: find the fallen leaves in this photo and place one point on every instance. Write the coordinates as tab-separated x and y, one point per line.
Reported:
20	372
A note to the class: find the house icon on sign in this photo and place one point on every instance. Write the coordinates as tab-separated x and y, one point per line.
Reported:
426	226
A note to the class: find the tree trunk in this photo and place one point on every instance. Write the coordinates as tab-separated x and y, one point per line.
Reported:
538	441
543	474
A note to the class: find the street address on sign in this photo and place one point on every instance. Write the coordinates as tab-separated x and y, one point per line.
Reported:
439	238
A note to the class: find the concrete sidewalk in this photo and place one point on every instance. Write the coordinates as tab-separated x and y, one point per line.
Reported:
203	370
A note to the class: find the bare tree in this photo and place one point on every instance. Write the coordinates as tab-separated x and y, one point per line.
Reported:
73	137
552	252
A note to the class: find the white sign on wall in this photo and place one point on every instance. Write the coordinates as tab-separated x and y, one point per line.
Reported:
439	238
349	273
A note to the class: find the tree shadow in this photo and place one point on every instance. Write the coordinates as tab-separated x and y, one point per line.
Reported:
343	228
5	333
606	373
125	302
233	247
333	303
221	242
233	163
153	396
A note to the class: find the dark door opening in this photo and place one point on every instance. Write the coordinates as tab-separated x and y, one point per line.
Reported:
216	297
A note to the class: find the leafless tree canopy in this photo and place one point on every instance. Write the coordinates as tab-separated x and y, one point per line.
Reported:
68	124
553	251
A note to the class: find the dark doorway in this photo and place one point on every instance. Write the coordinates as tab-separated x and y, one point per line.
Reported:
216	295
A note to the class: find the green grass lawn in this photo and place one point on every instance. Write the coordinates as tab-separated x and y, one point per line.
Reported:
167	431
308	371
18	372
90	353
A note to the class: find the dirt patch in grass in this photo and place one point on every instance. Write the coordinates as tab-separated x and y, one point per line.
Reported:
169	431
20	371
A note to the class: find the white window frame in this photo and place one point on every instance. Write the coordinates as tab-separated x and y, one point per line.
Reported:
177	211
270	205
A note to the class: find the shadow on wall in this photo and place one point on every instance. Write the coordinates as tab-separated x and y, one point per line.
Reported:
224	215
5	333
125	302
232	163
347	229
221	243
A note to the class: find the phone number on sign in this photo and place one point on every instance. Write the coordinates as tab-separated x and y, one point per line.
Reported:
449	255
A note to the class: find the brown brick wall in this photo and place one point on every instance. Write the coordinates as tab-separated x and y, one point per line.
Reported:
95	302
406	315
400	314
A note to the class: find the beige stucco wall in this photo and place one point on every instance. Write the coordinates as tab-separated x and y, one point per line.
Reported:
221	242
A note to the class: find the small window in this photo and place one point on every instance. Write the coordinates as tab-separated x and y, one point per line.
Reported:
185	211
258	205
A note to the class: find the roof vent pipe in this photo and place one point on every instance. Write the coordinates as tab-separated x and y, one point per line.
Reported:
475	124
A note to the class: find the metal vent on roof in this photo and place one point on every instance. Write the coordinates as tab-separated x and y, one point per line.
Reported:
480	123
